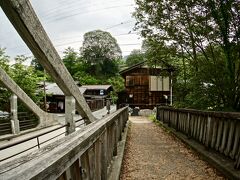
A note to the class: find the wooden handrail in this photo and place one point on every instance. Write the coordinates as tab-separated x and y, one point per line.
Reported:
219	131
82	154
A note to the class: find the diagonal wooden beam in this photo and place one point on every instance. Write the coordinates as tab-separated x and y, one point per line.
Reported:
24	19
45	118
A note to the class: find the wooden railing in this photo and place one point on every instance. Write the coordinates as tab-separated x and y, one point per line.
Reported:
27	120
216	130
85	154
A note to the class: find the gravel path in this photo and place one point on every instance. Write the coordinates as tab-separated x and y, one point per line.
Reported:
152	153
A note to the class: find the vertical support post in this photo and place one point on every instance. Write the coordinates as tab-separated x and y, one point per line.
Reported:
14	116
69	114
209	131
171	88
108	104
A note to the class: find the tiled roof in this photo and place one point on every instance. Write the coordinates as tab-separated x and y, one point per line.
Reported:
96	87
52	88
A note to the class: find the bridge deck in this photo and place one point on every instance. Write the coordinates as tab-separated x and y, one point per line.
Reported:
152	153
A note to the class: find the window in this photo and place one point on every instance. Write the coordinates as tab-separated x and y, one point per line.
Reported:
129	81
159	83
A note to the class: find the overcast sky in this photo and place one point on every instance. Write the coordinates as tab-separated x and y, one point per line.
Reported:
66	21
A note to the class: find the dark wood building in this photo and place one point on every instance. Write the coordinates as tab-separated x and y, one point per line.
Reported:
145	87
95	96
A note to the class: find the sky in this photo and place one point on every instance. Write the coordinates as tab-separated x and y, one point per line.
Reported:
66	21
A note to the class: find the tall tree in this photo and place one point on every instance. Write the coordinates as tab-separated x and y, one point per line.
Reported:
71	60
135	57
206	36
101	50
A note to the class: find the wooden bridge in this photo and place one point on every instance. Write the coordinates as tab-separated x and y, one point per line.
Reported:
89	152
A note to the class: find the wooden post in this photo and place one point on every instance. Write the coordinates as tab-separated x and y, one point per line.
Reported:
209	131
214	136
230	137
115	140
189	124
69	114
224	137
24	19
14	115
104	150
233	153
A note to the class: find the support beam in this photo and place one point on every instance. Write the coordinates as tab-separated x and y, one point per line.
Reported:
27	24
69	114
14	115
44	118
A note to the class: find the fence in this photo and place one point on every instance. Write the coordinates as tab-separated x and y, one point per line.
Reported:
40	139
27	120
96	104
216	130
84	154
5	124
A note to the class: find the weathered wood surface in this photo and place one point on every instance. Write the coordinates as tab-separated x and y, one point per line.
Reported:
27	24
84	154
219	131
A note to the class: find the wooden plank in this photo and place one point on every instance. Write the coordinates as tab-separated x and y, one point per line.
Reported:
75	170
225	135
62	177
85	175
209	131
98	160
219	134
91	158
201	129
104	149
24	19
230	140
236	143
214	136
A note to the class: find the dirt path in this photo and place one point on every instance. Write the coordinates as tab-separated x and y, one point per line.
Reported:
152	153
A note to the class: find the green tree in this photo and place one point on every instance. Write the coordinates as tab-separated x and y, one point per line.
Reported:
136	56
71	60
101	50
4	94
206	37
26	78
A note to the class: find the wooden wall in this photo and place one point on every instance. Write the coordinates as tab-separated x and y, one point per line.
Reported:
138	88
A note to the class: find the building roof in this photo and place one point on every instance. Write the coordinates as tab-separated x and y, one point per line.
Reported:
97	87
143	63
132	67
53	89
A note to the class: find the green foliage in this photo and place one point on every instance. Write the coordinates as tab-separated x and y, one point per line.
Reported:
201	39
136	56
71	60
118	85
37	66
86	79
153	118
24	76
101	50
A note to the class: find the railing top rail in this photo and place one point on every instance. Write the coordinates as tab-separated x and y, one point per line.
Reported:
51	160
5	146
230	115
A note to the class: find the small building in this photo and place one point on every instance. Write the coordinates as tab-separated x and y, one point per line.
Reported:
95	96
55	97
145	86
97	91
